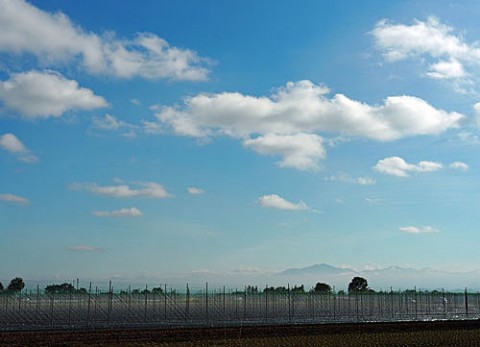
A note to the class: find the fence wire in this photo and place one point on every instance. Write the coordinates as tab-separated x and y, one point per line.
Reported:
37	311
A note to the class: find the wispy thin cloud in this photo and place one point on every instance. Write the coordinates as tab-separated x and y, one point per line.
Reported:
151	190
10	143
13	198
458	165
277	202
419	230
345	178
84	248
195	191
123	212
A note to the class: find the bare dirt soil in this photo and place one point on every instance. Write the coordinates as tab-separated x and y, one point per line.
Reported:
439	333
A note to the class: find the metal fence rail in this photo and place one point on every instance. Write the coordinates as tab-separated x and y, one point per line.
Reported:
38	310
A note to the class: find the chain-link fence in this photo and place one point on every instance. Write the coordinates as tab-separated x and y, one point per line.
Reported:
219	307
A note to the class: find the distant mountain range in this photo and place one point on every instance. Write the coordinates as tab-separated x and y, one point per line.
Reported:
317	269
392	277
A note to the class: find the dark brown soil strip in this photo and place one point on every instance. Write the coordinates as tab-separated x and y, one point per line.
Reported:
146	335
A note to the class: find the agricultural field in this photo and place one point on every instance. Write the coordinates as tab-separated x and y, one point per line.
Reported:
441	333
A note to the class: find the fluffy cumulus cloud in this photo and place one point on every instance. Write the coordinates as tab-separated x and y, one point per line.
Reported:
419	230
123	212
13	199
448	56
151	190
303	107
10	143
277	202
396	166
52	37
42	94
289	122
300	151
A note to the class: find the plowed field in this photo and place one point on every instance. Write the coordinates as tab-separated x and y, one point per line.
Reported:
443	333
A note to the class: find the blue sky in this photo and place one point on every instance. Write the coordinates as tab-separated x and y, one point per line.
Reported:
230	137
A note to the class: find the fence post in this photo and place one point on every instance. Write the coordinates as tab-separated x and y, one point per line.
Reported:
187	304
289	304
109	304
146	301
334	304
70	308
165	303
244	304
356	303
37	307
224	306
206	300
466	302
88	304
444	299
312	295
266	303
52	302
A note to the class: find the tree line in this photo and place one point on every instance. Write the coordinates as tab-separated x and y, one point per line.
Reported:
15	285
356	285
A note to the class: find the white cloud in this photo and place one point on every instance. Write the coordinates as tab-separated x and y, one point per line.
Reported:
344	178
136	102
396	166
401	41
289	122
374	200
195	191
12	144
139	190
365	181
52	37
476	108
447	55
419	230
303	107
458	165
447	69
13	198
45	94
112	123
299	151
84	248
123	212
277	202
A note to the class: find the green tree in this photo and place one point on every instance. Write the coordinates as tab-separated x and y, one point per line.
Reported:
16	285
1	287
64	288
322	288
358	285
298	289
157	290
